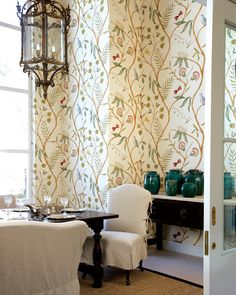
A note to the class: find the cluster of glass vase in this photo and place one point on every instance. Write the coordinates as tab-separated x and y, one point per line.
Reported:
189	184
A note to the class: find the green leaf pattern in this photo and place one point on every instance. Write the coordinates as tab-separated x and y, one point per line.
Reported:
132	102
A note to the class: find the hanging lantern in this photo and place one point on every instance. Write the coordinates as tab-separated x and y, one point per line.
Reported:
44	28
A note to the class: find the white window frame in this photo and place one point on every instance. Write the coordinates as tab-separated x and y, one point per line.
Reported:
29	92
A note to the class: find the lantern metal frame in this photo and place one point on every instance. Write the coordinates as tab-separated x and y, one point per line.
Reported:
43	15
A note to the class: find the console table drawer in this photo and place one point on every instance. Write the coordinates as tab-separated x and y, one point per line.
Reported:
173	212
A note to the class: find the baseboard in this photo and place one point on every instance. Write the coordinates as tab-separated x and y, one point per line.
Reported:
182	248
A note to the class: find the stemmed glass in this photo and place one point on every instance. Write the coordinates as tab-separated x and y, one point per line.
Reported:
47	200
64	202
20	204
8	201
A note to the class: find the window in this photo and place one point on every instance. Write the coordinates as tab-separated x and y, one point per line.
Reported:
14	108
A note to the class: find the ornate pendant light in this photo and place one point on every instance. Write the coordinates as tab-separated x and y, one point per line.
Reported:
44	28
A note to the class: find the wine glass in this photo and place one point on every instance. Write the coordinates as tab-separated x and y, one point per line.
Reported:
20	204
47	200
64	202
8	200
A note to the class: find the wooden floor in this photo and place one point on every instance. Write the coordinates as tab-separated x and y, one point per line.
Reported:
185	267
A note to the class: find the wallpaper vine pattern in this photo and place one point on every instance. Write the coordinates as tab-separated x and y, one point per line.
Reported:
157	93
157	96
71	125
89	74
49	151
133	101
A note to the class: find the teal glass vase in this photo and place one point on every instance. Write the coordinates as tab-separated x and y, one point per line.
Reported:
171	187
152	182
189	190
195	176
175	174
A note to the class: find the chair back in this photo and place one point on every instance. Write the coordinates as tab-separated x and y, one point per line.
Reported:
40	258
131	202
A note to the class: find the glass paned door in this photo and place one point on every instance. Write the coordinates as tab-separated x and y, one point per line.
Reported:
220	150
230	138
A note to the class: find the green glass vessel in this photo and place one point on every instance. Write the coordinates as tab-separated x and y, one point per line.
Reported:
171	187
189	190
175	174
152	182
195	176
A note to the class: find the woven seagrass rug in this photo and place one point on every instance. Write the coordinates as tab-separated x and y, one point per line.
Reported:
142	283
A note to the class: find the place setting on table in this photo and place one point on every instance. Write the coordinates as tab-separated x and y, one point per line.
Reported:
16	213
46	212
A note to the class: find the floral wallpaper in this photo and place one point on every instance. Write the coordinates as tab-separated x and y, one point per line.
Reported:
72	124
157	88
133	100
157	93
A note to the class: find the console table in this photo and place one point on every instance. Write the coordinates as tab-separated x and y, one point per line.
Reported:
177	210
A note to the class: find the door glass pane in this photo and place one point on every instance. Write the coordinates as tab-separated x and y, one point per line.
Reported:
230	139
229	195
11	74
14	120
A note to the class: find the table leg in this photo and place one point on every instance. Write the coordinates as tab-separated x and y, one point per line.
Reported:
97	254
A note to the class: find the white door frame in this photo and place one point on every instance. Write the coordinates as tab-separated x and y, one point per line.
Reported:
219	265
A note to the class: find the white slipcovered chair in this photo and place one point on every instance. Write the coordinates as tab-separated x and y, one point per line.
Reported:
123	240
40	258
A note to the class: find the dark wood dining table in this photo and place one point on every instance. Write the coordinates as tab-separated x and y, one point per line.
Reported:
95	220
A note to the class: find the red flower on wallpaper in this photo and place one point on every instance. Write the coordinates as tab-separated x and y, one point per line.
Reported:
177	16
115	127
62	100
177	90
114	57
177	162
62	163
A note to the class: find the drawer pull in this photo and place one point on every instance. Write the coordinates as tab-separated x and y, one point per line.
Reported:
183	213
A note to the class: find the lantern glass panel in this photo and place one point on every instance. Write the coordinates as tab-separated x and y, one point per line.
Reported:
32	38
55	40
